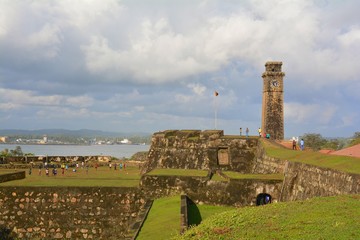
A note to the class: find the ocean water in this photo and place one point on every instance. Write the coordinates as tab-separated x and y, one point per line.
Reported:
118	151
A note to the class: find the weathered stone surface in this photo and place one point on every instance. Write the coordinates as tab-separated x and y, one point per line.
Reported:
118	207
304	181
273	101
195	149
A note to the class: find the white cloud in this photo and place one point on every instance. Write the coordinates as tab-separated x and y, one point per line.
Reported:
181	98
180	52
62	113
196	88
45	42
309	113
22	98
86	13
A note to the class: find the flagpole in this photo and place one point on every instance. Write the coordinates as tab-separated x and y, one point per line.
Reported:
215	114
215	108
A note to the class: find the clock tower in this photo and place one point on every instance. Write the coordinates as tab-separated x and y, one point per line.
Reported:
272	121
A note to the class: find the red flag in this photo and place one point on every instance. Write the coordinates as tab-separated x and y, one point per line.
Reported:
216	93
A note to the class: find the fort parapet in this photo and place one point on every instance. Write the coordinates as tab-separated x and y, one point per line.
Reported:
195	149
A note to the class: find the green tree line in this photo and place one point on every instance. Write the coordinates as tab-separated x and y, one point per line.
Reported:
316	142
17	152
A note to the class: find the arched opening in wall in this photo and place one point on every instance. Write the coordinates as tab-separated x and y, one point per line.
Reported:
263	199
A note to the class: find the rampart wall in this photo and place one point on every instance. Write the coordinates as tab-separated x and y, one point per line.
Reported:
303	181
12	176
107	212
69	212
195	149
235	192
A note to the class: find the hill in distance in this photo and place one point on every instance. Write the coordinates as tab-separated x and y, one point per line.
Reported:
65	132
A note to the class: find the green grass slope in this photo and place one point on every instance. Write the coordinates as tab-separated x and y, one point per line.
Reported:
318	218
163	221
341	163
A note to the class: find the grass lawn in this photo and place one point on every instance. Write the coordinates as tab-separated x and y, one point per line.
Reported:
341	163
178	172
198	213
102	177
236	175
163	221
317	218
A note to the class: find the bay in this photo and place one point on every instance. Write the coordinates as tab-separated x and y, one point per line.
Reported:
118	151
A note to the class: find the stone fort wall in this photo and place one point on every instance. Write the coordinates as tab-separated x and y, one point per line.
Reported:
212	150
195	149
12	176
303	181
69	212
233	192
106	212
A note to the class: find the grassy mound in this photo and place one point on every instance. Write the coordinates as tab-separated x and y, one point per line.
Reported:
317	218
163	221
341	163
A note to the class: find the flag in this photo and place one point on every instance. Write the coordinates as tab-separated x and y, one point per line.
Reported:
216	93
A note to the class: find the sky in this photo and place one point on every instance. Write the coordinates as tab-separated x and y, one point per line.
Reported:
148	66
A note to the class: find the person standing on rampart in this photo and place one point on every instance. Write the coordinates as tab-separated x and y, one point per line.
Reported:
62	168
259	130
247	132
302	144
240	132
294	144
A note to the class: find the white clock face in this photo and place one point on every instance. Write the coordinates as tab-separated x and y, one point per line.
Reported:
274	83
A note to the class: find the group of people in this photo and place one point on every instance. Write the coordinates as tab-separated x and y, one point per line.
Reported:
246	131
295	143
121	166
52	168
265	135
64	167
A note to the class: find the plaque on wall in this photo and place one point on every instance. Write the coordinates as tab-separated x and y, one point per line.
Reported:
223	156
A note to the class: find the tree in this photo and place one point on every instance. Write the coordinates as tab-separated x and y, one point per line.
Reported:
314	141
5	153
356	135
333	144
17	151
356	139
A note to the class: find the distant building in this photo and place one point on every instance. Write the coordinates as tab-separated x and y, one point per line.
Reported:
44	140
125	141
3	139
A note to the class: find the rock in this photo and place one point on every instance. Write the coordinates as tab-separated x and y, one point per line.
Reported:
58	236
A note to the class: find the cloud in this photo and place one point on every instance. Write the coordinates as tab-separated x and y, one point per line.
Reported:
196	88
128	62
45	42
309	113
22	98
